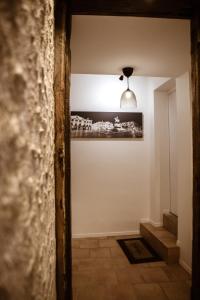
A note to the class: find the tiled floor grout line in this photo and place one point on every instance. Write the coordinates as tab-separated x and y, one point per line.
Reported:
111	272
167	298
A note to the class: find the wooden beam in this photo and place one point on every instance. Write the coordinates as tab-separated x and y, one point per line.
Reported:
62	151
195	38
147	8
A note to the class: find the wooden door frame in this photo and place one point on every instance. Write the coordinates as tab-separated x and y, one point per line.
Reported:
180	9
62	60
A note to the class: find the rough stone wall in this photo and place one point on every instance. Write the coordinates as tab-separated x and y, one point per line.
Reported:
27	216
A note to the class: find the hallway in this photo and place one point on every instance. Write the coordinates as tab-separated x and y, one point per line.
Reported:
102	272
36	79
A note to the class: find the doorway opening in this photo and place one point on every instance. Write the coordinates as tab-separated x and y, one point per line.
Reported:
99	167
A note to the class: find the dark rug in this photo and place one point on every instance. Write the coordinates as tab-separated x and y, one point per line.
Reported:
138	251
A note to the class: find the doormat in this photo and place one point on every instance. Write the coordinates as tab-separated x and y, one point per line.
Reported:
138	251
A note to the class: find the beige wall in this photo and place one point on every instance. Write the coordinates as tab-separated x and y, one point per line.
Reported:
27	225
110	178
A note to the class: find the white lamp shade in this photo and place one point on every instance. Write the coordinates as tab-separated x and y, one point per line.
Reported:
128	99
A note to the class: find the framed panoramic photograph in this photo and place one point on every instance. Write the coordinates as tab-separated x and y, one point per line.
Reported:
86	124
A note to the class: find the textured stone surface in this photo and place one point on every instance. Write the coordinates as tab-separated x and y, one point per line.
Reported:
27	214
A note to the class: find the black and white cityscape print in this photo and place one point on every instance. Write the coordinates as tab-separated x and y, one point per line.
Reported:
86	124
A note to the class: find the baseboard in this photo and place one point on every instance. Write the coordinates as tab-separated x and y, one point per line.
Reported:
166	211
155	224
185	266
104	234
144	220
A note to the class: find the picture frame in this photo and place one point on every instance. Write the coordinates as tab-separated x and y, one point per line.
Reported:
86	124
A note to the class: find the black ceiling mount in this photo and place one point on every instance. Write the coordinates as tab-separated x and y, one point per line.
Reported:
128	71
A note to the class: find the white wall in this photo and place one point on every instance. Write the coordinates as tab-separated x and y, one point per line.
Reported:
110	178
182	161
184	168
155	204
162	153
162	142
173	151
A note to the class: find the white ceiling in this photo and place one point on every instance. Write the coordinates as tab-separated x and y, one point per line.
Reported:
155	47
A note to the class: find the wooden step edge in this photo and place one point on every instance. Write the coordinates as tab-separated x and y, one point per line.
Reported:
156	230
167	241
169	254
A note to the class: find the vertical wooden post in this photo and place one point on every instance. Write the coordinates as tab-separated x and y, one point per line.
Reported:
62	150
195	39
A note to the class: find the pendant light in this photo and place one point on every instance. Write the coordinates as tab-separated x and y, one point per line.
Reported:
128	98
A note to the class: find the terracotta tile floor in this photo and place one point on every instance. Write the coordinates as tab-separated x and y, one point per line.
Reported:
101	271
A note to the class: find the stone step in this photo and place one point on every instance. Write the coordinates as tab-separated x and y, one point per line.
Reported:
162	241
170	222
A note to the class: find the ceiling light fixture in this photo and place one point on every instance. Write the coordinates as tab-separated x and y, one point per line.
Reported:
128	98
